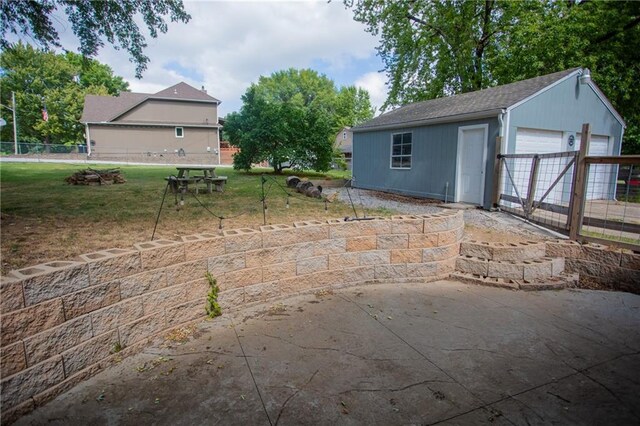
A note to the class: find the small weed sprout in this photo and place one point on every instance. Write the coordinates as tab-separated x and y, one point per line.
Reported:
213	308
117	347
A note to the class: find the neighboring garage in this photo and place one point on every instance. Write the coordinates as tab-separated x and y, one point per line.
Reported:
445	148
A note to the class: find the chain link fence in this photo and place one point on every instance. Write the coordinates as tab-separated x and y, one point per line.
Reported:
79	152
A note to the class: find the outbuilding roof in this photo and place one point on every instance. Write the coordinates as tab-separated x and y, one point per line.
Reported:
486	100
98	109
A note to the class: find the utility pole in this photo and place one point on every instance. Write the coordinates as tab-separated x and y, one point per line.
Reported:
15	125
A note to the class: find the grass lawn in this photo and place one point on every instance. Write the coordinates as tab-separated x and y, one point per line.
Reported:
43	218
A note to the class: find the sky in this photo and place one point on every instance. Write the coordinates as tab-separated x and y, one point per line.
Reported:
228	45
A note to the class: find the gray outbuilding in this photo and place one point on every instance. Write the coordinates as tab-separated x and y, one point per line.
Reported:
445	148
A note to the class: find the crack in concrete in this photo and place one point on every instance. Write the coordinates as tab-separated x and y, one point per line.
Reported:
508	354
559	357
169	354
485	405
264	407
413	348
556	380
513	396
440	321
315	348
530	409
298	390
559	397
612	393
412	385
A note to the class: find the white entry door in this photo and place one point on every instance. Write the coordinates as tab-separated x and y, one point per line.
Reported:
471	164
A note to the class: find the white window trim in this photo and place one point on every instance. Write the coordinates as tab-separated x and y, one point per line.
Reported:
176	132
391	152
461	129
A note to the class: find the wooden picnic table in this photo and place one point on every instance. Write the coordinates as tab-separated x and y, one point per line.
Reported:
194	175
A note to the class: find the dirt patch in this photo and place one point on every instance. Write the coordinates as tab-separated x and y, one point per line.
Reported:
28	241
588	283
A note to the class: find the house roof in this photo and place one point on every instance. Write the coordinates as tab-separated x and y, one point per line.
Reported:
103	108
184	91
486	100
106	108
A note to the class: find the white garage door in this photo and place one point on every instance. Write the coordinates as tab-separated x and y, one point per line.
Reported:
601	176
537	141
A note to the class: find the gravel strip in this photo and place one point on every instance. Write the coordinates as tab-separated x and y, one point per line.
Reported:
498	222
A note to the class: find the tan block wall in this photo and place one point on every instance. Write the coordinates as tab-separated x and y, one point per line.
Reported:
62	322
613	267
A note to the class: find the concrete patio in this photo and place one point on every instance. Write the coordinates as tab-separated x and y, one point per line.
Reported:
438	353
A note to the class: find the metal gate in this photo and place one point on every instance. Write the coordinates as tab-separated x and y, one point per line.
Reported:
538	187
555	190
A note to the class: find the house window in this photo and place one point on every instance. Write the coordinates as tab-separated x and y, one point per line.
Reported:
401	151
179	132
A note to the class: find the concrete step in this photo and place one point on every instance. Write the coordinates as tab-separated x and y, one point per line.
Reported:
552	283
519	251
526	270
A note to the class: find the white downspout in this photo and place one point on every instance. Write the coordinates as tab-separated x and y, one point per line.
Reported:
501	121
218	124
88	139
219	152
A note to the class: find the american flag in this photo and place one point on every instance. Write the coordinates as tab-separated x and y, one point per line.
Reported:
45	114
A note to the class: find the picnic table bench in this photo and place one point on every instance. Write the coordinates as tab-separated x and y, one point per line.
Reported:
208	177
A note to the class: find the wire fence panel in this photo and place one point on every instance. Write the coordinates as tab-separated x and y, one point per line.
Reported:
538	187
612	202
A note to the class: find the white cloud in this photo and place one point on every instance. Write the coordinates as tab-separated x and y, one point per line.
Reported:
231	44
374	83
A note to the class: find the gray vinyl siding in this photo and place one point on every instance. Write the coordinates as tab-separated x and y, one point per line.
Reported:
433	161
565	107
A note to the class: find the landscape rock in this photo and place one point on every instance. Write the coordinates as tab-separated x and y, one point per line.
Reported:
293	181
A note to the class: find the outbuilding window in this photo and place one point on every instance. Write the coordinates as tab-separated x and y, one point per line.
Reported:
401	151
179	132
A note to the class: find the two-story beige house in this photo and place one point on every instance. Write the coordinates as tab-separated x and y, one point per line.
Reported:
180	122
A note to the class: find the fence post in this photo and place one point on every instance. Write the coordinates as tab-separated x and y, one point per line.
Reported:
533	182
497	173
576	206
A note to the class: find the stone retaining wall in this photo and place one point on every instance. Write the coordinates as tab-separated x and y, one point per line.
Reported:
613	267
62	322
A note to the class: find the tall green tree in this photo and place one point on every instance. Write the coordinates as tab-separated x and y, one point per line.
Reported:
352	106
435	48
58	82
290	119
432	49
93	22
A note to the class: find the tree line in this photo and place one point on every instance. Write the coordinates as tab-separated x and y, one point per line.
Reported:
55	83
432	49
